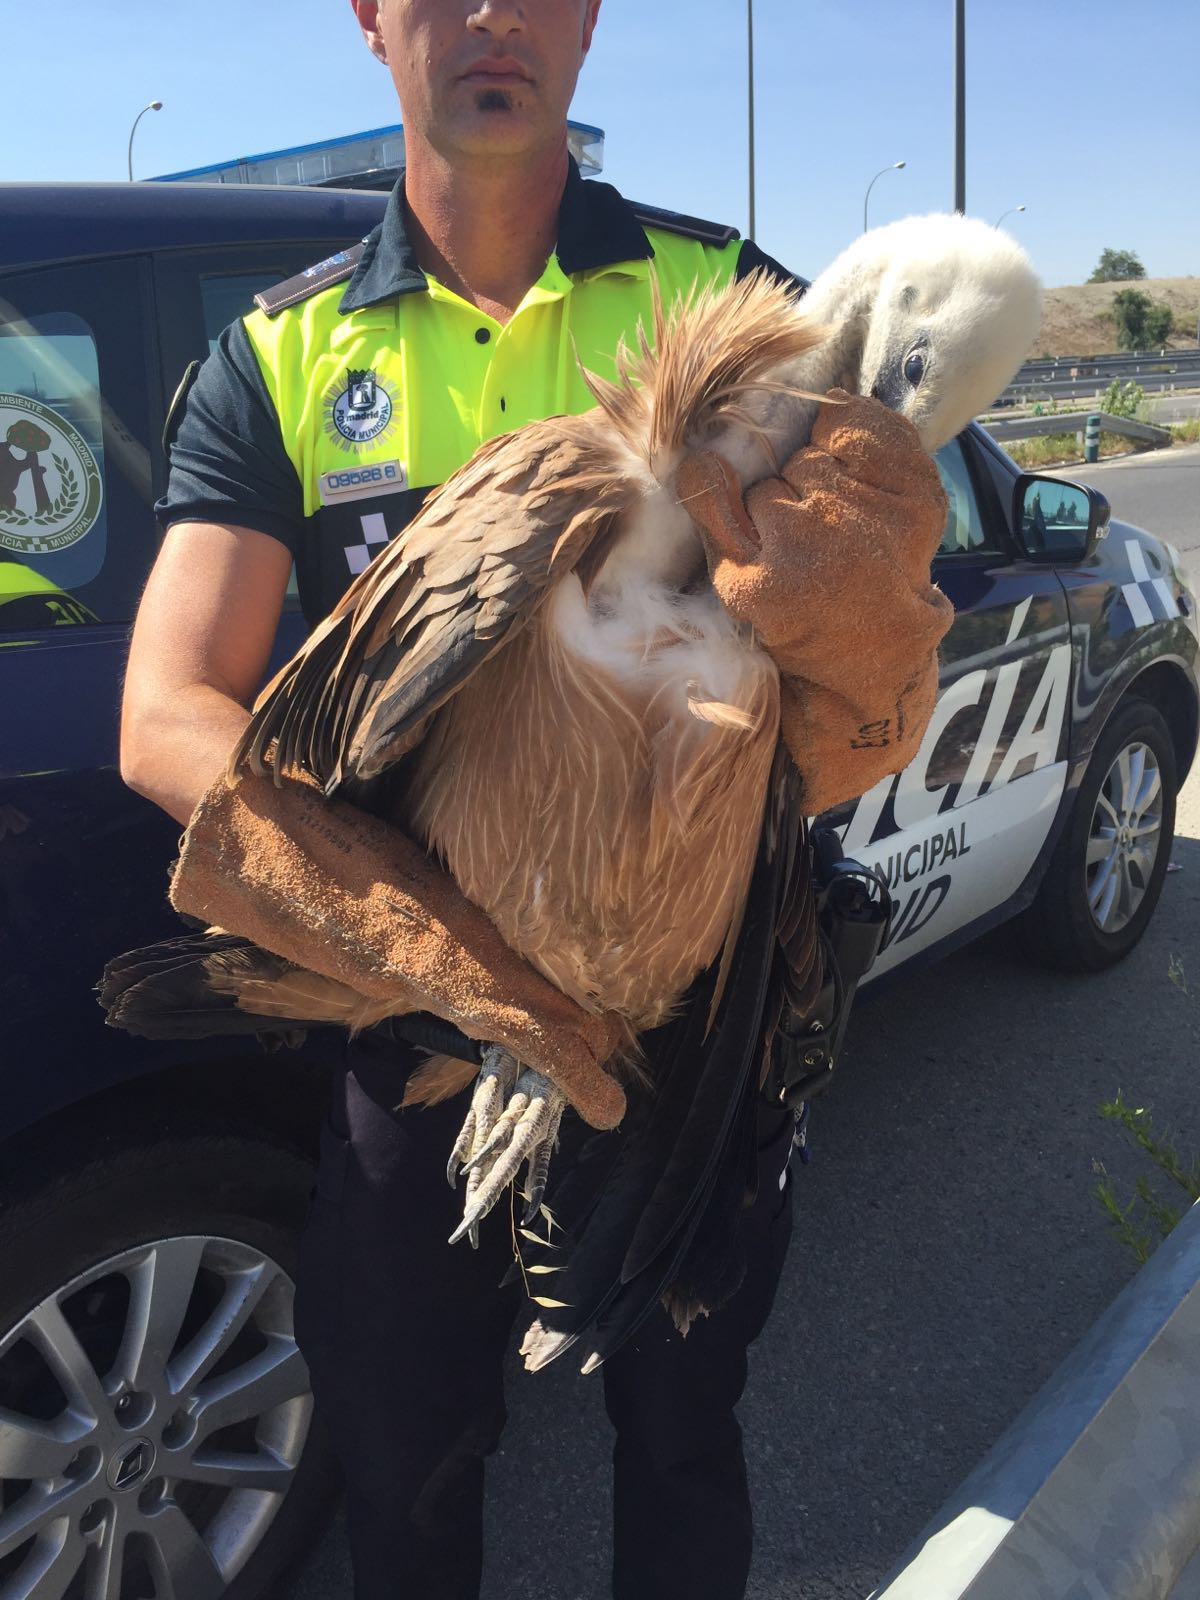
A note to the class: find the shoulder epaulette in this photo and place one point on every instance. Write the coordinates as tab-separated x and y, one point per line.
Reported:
690	227
334	269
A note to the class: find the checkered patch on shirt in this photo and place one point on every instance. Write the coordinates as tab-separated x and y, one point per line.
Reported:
374	537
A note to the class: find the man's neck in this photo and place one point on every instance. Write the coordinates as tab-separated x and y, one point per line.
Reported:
485	231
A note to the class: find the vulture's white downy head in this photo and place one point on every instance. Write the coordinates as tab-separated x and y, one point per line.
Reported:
949	306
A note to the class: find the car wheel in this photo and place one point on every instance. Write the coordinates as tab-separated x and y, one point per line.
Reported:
156	1427
1107	871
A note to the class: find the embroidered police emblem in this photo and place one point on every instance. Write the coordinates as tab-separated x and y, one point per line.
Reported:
359	413
50	484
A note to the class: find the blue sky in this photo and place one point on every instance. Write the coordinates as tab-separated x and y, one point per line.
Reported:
1058	115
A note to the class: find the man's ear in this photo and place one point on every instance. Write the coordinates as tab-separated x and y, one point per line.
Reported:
367	13
589	23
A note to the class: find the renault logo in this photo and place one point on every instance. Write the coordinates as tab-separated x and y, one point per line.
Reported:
132	1465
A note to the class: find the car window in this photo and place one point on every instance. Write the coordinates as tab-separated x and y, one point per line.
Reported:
75	485
965	530
227	296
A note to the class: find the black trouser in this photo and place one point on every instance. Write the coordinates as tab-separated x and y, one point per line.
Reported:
405	1340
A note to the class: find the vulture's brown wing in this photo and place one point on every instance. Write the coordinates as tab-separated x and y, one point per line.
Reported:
467	573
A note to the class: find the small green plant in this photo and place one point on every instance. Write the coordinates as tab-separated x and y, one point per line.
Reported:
1186	432
1129	1218
1123	399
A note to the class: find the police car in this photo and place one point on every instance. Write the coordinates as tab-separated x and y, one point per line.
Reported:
155	1419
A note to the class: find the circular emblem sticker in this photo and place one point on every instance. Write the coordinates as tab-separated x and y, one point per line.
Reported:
50	484
360	413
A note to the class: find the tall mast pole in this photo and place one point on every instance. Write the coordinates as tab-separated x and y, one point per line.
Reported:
960	106
750	101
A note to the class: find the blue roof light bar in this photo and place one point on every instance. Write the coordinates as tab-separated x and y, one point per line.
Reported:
360	160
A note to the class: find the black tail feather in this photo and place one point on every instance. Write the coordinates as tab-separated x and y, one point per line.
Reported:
167	991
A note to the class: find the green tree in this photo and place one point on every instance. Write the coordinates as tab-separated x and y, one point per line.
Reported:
1117	266
1159	323
1141	325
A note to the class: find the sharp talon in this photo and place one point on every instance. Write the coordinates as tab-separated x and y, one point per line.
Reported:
590	1365
473	1235
454	1165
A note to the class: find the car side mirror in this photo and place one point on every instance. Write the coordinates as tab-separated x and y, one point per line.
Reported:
1055	521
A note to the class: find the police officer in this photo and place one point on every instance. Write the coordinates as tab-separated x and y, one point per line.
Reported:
312	435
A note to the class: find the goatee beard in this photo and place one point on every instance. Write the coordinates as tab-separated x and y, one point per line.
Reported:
493	100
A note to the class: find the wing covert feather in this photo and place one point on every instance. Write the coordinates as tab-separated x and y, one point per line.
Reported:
467	573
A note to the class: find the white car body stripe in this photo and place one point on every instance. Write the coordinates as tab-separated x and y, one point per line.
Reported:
1020	612
962	864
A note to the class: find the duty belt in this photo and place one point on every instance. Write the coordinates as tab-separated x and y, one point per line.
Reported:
853	913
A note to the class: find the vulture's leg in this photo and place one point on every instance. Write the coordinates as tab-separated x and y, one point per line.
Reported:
514	1118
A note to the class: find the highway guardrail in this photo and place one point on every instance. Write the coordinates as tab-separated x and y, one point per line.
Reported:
1142	433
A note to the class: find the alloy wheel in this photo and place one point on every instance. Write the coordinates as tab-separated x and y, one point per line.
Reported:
152	1416
1124	838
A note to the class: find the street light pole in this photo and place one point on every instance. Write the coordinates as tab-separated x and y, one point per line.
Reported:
750	101
155	105
895	167
960	106
1010	212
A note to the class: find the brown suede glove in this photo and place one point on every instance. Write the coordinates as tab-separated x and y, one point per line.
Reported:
830	564
340	893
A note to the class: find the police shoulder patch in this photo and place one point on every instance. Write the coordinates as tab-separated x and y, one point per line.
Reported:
718	233
334	269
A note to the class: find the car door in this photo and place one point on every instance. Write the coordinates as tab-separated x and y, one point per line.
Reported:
957	833
81	857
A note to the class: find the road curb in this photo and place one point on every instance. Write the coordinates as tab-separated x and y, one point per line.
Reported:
1094	1492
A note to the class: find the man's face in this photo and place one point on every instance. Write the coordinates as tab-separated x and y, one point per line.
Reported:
481	77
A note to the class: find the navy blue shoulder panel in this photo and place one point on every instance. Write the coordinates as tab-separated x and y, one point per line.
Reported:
751	258
334	269
717	233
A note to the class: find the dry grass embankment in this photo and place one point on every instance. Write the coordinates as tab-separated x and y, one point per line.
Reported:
1075	321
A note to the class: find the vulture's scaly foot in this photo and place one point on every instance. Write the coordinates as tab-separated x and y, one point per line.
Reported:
514	1117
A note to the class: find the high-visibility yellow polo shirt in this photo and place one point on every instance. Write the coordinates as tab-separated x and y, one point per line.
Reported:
327	416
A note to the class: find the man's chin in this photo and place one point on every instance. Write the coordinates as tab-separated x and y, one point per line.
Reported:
497	133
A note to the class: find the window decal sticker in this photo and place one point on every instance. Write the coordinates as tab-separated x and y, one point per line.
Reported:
51	489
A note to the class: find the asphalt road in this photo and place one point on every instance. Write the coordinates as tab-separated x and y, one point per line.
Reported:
1159	490
948	1250
1174	408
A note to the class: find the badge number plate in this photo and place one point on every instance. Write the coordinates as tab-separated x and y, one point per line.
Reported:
360	483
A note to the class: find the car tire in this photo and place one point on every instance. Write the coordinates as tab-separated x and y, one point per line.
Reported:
167	1262
1103	882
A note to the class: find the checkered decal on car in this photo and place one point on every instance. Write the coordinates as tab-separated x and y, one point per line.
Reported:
1149	599
374	537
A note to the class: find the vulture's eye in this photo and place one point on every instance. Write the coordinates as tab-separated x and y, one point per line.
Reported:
914	367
